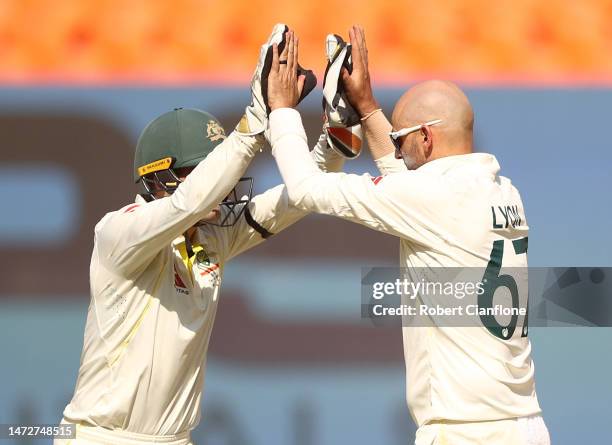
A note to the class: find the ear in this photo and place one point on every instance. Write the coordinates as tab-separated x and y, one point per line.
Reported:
427	136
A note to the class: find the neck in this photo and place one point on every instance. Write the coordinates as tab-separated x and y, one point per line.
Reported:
454	151
190	233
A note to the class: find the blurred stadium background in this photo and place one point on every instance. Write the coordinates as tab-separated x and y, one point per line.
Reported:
291	362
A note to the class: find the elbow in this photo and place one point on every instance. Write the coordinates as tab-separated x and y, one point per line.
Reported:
300	195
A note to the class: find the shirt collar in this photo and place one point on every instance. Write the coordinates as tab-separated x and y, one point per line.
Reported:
481	161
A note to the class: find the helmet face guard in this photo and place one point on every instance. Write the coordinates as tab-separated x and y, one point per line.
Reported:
160	181
232	207
234	204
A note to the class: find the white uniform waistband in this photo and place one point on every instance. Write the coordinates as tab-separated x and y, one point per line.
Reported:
120	437
529	430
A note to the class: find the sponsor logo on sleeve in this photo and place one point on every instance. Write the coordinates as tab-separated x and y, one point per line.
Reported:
179	284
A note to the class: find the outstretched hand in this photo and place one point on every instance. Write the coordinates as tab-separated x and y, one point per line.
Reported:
357	84
284	84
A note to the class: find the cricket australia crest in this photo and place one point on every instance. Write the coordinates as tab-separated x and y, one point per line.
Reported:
214	131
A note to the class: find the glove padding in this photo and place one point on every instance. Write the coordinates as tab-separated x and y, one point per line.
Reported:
343	124
255	119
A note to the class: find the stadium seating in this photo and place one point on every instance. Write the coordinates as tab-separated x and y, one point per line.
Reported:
177	41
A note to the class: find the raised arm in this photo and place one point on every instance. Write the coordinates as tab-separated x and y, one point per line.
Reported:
131	237
393	204
358	88
271	211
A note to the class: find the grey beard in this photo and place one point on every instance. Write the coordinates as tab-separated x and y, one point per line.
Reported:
409	161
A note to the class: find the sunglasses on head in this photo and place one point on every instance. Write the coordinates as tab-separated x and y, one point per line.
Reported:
396	135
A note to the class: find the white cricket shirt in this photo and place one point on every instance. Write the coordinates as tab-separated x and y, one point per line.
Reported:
152	307
442	215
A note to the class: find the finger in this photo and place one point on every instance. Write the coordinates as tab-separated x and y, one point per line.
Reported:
275	64
364	46
352	36
353	40
356	55
286	70
361	34
363	39
283	54
300	84
344	75
358	38
361	43
291	52
296	45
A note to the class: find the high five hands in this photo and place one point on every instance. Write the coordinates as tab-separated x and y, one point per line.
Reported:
285	85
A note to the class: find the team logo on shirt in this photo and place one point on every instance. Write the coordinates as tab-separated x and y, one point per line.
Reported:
376	180
208	267
202	259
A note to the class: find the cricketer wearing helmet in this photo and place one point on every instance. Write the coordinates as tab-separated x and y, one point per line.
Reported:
446	204
157	266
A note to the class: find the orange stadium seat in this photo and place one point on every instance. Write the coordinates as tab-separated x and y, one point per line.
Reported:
177	41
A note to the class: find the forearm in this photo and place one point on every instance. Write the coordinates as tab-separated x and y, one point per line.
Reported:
377	128
290	149
352	197
272	212
217	174
327	160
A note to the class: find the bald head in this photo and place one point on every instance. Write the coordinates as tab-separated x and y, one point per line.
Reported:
436	99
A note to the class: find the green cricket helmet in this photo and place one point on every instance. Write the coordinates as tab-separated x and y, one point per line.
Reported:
182	138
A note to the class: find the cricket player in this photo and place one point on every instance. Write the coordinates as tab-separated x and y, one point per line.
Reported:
465	385
156	272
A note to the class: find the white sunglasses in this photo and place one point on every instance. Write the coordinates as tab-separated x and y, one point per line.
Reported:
395	135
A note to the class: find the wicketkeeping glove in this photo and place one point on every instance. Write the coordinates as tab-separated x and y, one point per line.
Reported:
255	119
343	126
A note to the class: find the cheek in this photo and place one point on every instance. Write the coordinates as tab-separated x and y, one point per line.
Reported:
412	149
409	155
414	154
417	151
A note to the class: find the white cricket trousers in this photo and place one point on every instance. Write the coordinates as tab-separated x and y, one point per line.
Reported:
520	431
87	435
